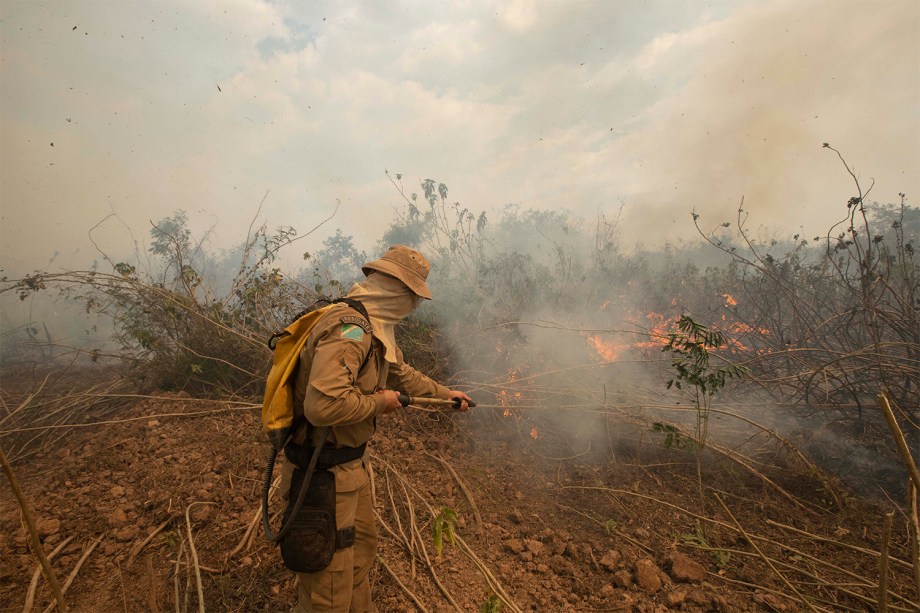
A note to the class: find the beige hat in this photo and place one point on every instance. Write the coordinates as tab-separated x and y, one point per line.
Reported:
405	264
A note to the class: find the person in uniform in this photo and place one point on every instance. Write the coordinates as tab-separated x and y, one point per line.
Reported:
351	372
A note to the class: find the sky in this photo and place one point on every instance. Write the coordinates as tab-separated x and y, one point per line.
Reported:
120	113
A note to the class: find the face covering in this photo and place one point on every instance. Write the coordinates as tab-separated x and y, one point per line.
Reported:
388	301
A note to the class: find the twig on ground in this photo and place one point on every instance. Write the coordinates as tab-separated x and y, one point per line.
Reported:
127	419
463	488
121	582
883	564
33	533
191	544
804	601
418	603
762	588
152	594
464	547
493	582
912	491
243	541
76	570
33	584
135	551
861	582
176	576
824	539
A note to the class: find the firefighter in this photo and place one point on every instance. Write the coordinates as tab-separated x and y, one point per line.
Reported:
350	373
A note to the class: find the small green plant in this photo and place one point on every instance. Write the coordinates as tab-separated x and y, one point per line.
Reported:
610	526
491	605
698	537
443	527
689	349
672	438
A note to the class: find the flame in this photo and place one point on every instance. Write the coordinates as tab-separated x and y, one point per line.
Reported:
534	434
660	326
743	328
508	400
608	351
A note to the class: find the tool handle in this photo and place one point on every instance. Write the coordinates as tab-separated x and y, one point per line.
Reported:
406	400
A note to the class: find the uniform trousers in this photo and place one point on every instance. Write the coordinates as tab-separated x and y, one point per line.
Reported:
343	587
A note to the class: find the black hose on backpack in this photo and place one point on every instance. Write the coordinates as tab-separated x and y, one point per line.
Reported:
267	484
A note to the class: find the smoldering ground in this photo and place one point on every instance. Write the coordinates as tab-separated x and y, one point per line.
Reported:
557	321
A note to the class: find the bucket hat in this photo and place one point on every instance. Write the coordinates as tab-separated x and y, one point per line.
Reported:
405	264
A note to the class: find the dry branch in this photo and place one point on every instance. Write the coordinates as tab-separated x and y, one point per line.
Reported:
135	551
765	558
869	552
191	543
490	578
903	450
33	533
402	585
914	534
883	564
33	584
463	488
76	570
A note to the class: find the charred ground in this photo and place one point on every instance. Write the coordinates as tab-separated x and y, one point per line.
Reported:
552	524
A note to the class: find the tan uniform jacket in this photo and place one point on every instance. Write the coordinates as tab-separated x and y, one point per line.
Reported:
336	387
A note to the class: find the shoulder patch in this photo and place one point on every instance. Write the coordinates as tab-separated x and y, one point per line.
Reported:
352	332
357	321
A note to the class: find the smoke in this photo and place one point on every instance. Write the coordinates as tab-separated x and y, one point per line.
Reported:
553	322
769	87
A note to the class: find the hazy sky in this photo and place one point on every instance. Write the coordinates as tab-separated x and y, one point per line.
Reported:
661	106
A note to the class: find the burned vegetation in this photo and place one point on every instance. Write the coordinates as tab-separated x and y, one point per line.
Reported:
730	426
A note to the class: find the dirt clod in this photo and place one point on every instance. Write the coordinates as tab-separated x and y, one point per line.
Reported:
127	533
534	547
676	596
648	575
611	560
48	526
685	569
622	578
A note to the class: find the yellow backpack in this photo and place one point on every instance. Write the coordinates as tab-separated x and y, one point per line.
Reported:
278	404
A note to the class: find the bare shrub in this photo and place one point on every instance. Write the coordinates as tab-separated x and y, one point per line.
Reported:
173	328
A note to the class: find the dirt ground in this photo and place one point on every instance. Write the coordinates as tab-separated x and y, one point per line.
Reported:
553	526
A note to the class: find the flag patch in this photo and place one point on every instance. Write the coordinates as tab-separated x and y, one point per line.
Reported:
353	332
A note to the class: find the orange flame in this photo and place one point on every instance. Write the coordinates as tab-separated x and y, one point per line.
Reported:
534	434
660	326
608	351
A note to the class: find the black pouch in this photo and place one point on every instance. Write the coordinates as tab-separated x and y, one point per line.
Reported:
310	543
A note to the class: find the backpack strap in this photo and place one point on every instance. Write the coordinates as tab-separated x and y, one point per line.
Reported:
356	305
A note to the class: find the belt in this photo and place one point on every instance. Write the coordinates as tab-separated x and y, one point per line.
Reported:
329	456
